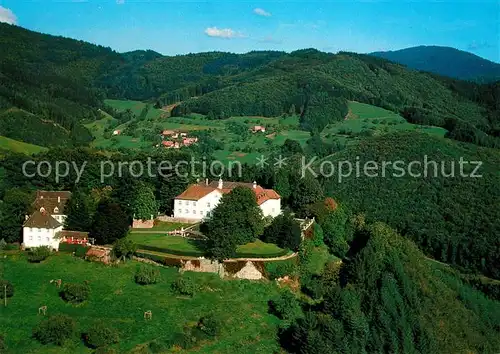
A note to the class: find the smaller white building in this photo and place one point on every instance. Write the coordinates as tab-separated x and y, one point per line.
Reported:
40	230
43	225
198	200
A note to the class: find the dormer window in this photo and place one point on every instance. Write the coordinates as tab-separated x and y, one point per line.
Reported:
42	210
56	210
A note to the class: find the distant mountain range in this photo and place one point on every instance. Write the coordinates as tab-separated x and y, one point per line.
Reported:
445	61
51	86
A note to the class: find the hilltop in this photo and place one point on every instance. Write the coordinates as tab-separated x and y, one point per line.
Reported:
445	61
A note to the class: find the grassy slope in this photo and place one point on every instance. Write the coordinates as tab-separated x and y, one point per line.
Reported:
19	146
380	121
116	299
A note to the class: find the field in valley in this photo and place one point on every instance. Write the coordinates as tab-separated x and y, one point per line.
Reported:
116	299
362	121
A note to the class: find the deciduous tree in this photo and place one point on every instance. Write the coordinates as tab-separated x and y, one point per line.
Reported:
236	220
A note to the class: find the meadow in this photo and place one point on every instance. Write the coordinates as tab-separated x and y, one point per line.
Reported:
116	299
363	120
19	146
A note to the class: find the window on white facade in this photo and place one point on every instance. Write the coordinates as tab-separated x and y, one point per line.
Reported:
30	238
39	238
187	211
208	205
48	239
194	212
39	230
179	211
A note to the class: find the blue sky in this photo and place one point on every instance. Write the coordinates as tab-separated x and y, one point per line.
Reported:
177	27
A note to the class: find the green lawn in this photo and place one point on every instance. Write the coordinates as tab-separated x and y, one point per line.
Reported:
117	300
195	247
259	248
161	240
19	146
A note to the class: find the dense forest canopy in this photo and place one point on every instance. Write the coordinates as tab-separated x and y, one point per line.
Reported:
452	218
392	300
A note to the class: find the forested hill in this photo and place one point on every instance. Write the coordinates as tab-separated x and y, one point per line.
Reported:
392	300
445	61
452	218
51	80
58	83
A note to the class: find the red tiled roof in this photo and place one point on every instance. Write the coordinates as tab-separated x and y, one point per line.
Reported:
198	191
74	234
195	192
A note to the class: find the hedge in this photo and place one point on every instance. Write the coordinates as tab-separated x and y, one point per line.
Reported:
200	253
267	255
79	250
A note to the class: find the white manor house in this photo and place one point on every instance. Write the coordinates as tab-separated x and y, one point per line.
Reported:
198	200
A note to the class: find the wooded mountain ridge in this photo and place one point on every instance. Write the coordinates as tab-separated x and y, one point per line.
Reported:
63	81
445	61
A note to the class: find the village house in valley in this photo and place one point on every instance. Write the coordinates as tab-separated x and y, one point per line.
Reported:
197	202
44	227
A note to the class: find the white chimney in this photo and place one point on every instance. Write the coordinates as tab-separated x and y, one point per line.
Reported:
26	217
58	199
254	185
206	181
220	183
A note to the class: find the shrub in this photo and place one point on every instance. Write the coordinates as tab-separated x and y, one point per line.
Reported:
184	340
100	335
124	248
75	293
318	236
183	286
11	247
275	270
157	346
147	275
3	244
55	330
81	251
78	250
286	306
38	254
210	325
